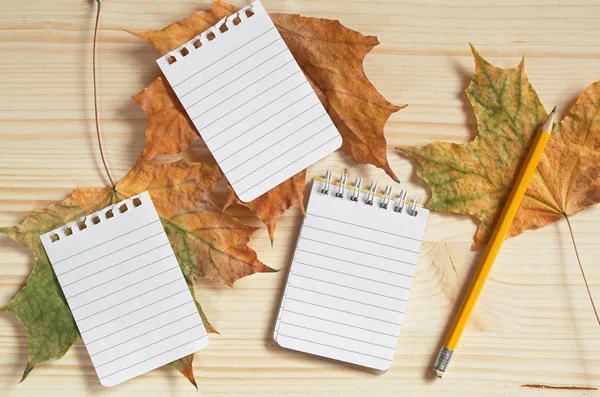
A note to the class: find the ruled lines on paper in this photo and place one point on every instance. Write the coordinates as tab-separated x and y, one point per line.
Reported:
252	105
126	291
349	282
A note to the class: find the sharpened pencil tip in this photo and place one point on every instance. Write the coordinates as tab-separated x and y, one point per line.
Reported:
547	127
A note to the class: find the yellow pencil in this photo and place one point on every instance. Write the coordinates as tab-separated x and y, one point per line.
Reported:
499	234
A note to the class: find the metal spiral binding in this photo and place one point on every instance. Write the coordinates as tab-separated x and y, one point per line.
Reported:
328	176
412	209
342	187
387	196
372	192
357	188
400	203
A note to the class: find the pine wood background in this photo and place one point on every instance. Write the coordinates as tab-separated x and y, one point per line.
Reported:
533	325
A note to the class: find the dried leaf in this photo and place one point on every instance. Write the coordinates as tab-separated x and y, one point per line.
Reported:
572	160
271	205
475	178
174	35
331	57
40	305
207	243
184	366
170	131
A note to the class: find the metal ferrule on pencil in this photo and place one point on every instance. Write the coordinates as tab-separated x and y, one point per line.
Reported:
442	361
500	232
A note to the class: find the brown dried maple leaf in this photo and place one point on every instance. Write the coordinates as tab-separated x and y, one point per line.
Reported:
331	57
475	178
206	242
167	133
170	130
271	205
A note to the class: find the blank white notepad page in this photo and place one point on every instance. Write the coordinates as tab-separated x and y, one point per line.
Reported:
350	278
250	102
126	291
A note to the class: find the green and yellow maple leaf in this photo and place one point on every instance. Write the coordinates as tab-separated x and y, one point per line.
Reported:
206	242
475	178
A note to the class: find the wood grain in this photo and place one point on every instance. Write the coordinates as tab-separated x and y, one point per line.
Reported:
532	333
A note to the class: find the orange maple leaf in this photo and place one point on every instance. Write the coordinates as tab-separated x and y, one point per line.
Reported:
331	57
271	205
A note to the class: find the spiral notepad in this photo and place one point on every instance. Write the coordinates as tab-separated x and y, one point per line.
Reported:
125	289
250	102
351	274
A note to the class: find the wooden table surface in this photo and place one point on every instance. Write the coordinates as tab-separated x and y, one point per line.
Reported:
533	324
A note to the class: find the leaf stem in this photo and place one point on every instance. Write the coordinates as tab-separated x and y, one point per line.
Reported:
581	268
96	94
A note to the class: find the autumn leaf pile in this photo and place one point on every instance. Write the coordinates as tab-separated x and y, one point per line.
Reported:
331	57
207	242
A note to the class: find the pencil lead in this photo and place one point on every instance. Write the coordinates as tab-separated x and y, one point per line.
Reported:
549	121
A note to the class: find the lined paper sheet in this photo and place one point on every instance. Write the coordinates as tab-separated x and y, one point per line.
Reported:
251	103
350	278
126	291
